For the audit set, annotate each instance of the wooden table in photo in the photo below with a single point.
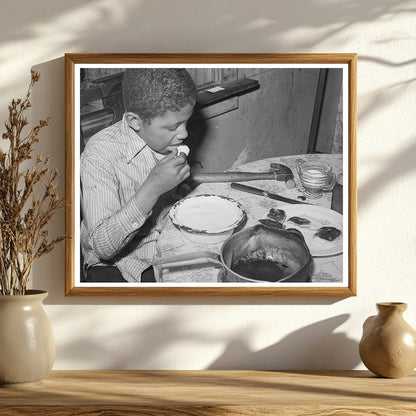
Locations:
(173, 242)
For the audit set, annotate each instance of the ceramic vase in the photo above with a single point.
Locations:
(388, 344)
(27, 346)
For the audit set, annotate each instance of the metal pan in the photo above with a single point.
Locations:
(256, 254)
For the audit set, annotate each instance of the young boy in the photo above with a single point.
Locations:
(129, 172)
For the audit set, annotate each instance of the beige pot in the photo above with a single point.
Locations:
(388, 345)
(27, 346)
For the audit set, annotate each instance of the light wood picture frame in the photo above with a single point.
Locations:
(252, 110)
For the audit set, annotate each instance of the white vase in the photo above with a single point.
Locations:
(27, 346)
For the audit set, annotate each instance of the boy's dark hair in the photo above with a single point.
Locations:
(150, 92)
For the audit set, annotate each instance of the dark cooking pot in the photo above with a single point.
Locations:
(254, 255)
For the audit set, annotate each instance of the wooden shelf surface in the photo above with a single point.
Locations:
(213, 392)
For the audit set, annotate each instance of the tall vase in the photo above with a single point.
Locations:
(27, 346)
(388, 345)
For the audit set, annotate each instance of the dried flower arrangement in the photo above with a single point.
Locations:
(28, 200)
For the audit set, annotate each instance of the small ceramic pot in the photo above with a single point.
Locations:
(27, 346)
(388, 345)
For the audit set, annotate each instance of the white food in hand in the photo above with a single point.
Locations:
(183, 149)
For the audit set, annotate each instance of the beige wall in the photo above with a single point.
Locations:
(198, 333)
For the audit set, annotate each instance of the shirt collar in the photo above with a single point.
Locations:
(135, 144)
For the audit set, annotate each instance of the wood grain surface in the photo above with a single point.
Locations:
(212, 392)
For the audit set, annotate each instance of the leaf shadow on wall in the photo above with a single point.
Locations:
(151, 345)
(392, 170)
(397, 166)
(316, 346)
(28, 33)
(144, 345)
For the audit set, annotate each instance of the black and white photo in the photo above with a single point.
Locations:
(210, 175)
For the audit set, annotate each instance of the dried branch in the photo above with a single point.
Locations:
(23, 218)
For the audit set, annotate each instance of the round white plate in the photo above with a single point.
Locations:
(319, 217)
(207, 214)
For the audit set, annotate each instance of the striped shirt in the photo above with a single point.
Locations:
(114, 230)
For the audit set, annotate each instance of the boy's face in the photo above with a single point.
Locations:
(164, 133)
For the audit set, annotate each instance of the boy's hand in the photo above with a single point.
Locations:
(168, 173)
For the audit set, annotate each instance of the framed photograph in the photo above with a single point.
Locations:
(211, 174)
